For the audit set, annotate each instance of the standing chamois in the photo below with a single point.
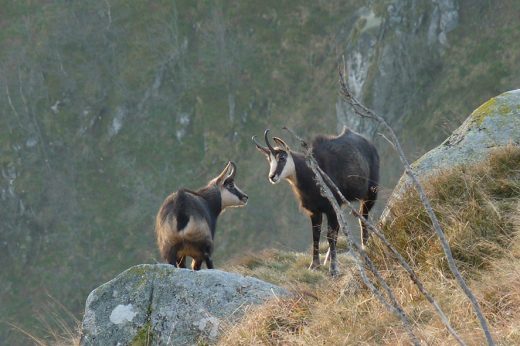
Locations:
(350, 160)
(185, 224)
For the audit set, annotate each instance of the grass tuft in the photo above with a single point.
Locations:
(59, 327)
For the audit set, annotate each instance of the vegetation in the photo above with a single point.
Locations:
(479, 209)
(108, 106)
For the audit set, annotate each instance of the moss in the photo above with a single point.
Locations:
(141, 273)
(483, 111)
(144, 336)
(504, 110)
(490, 108)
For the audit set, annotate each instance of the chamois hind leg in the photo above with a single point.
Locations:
(332, 236)
(316, 231)
(174, 260)
(171, 258)
(209, 262)
(364, 208)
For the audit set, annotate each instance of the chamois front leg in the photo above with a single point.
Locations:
(332, 236)
(181, 262)
(316, 230)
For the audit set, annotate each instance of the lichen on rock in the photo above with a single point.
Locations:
(160, 304)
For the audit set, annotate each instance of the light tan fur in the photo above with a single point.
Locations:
(197, 211)
(196, 231)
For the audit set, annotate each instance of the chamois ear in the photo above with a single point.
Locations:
(281, 143)
(224, 174)
(232, 170)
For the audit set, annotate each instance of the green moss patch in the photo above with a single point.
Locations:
(144, 336)
(484, 110)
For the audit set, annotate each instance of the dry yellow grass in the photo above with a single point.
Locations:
(480, 211)
(56, 330)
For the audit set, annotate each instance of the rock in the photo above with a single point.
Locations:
(169, 306)
(494, 124)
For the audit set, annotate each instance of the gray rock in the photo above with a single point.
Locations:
(494, 124)
(170, 306)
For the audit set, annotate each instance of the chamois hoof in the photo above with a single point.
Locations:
(334, 273)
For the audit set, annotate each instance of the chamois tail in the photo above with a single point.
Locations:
(174, 212)
(179, 210)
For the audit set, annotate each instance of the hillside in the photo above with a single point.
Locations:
(339, 312)
(108, 106)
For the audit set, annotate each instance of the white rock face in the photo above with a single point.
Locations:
(176, 306)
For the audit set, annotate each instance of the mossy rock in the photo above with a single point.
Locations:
(160, 304)
(494, 124)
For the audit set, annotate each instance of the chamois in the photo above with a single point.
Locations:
(185, 224)
(350, 160)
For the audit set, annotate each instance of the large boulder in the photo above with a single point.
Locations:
(162, 305)
(494, 124)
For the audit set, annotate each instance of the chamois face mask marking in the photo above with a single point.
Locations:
(281, 166)
(231, 195)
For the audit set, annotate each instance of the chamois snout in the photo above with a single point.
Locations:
(231, 195)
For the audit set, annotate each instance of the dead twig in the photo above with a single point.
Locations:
(365, 112)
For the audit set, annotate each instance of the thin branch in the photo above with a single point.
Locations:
(400, 259)
(363, 111)
(326, 192)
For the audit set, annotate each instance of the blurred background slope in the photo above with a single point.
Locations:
(108, 106)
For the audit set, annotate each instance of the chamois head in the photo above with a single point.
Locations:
(230, 194)
(280, 159)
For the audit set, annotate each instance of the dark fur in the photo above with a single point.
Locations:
(177, 238)
(352, 162)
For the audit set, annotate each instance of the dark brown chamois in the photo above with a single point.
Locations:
(350, 160)
(185, 224)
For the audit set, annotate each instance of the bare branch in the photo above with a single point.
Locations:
(398, 256)
(325, 189)
(363, 111)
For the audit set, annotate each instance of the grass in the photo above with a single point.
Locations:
(476, 206)
(55, 324)
(479, 209)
